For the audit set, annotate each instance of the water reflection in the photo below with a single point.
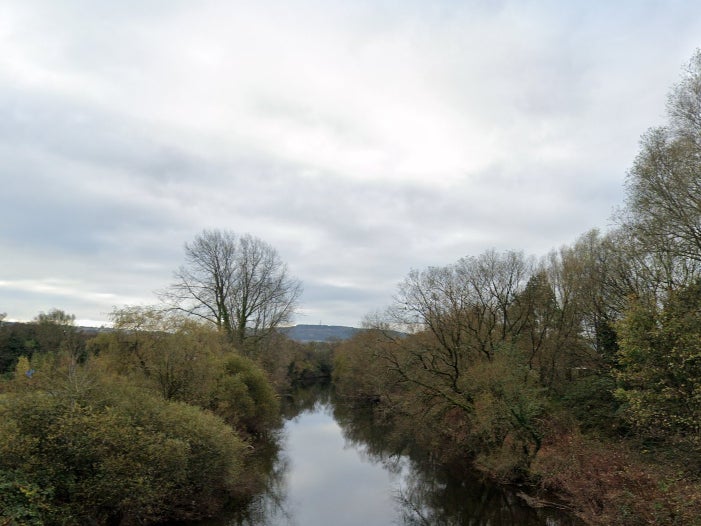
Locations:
(430, 494)
(338, 467)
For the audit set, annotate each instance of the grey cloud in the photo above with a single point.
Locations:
(136, 142)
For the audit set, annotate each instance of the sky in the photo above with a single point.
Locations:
(360, 139)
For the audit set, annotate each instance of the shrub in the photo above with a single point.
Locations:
(245, 398)
(126, 456)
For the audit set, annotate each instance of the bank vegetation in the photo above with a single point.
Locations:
(158, 419)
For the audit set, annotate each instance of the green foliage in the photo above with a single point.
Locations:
(312, 362)
(125, 435)
(122, 455)
(244, 397)
(165, 352)
(359, 373)
(660, 367)
(494, 411)
(21, 501)
(590, 398)
(506, 429)
(48, 333)
(187, 361)
(55, 317)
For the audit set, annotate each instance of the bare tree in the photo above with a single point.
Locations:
(466, 306)
(460, 315)
(238, 283)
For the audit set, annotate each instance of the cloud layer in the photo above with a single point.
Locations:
(360, 139)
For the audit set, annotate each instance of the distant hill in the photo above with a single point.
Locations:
(319, 333)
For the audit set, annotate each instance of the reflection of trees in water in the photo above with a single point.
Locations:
(375, 441)
(304, 399)
(429, 495)
(270, 504)
(424, 500)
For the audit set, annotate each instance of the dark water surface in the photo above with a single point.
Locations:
(331, 473)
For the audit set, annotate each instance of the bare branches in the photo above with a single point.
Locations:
(237, 283)
(663, 206)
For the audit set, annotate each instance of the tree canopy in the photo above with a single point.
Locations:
(238, 283)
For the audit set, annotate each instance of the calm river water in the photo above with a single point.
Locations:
(331, 473)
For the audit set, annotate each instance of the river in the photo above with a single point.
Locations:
(333, 469)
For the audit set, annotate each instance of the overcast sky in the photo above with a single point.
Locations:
(361, 139)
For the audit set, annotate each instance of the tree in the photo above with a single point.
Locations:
(461, 315)
(660, 366)
(55, 317)
(238, 283)
(663, 207)
(113, 455)
(466, 306)
(244, 397)
(166, 351)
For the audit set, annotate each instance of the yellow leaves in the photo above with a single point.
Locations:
(27, 491)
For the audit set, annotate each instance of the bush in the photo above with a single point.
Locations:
(126, 457)
(606, 483)
(245, 398)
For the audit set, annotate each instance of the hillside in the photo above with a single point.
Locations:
(319, 333)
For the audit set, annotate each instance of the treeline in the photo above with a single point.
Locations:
(579, 372)
(158, 419)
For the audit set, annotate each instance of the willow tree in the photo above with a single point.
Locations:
(238, 283)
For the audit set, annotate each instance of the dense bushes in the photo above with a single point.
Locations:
(244, 397)
(156, 424)
(114, 454)
(660, 373)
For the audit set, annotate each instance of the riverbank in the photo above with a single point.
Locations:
(341, 465)
(611, 482)
(569, 447)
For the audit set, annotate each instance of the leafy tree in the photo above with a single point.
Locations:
(310, 362)
(244, 397)
(592, 286)
(21, 500)
(13, 344)
(51, 332)
(361, 371)
(507, 429)
(660, 367)
(237, 283)
(545, 329)
(183, 359)
(168, 352)
(55, 317)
